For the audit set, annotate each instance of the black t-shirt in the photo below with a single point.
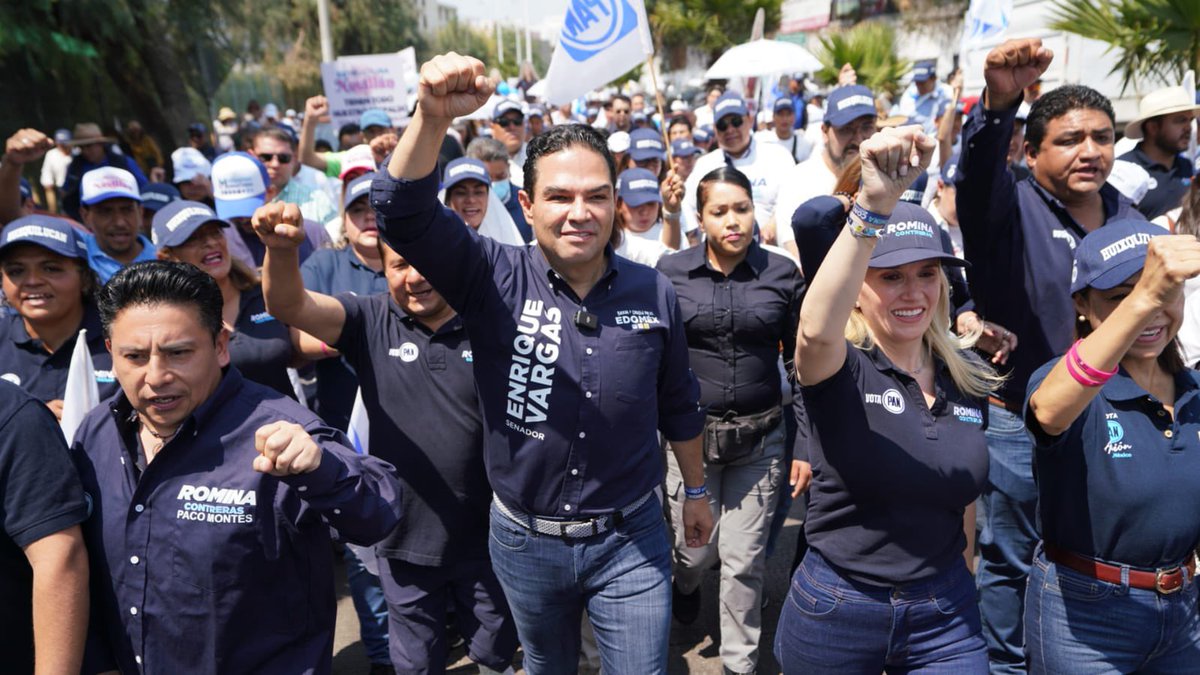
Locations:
(40, 494)
(261, 346)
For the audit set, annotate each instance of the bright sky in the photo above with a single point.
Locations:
(545, 16)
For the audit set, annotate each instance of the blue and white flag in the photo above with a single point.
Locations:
(600, 41)
(82, 393)
(359, 429)
(985, 19)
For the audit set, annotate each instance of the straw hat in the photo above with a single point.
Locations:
(87, 133)
(1161, 102)
(226, 114)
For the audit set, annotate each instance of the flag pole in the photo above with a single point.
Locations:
(658, 98)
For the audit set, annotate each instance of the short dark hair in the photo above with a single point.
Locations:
(679, 119)
(560, 138)
(161, 282)
(276, 133)
(722, 174)
(348, 129)
(1059, 102)
(619, 97)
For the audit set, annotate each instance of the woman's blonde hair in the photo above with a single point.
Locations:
(971, 375)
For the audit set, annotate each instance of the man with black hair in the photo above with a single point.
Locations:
(1019, 237)
(580, 359)
(619, 114)
(1164, 123)
(212, 496)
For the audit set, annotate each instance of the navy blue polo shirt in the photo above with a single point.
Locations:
(513, 206)
(1168, 184)
(735, 324)
(1020, 242)
(40, 495)
(332, 271)
(25, 362)
(419, 390)
(569, 413)
(891, 476)
(200, 564)
(1122, 484)
(260, 346)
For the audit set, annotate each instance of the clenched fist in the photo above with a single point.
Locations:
(279, 225)
(27, 145)
(1010, 68)
(452, 85)
(891, 161)
(285, 449)
(316, 108)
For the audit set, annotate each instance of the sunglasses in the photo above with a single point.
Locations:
(735, 121)
(283, 157)
(507, 122)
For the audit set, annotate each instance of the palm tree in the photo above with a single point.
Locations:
(871, 48)
(710, 25)
(1153, 38)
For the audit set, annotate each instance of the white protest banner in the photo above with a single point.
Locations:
(412, 76)
(355, 84)
(600, 41)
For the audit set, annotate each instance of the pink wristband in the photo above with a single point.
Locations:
(1077, 375)
(1091, 372)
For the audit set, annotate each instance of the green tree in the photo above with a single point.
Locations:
(1152, 38)
(710, 25)
(871, 48)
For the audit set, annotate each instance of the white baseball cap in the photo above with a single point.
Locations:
(239, 184)
(189, 163)
(108, 183)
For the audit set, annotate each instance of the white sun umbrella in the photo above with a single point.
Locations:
(763, 57)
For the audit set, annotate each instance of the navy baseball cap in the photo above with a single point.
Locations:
(53, 234)
(950, 170)
(62, 136)
(197, 128)
(730, 103)
(916, 192)
(358, 188)
(923, 70)
(684, 148)
(506, 106)
(157, 195)
(465, 168)
(816, 224)
(702, 134)
(1108, 256)
(911, 235)
(849, 103)
(646, 144)
(638, 186)
(784, 102)
(374, 118)
(176, 222)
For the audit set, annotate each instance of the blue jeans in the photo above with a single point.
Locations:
(622, 577)
(371, 608)
(832, 625)
(1080, 625)
(1007, 536)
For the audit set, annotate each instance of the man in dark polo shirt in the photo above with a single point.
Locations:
(1019, 237)
(415, 369)
(1164, 123)
(43, 564)
(580, 358)
(212, 496)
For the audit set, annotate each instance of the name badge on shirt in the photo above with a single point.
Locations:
(636, 319)
(261, 317)
(1116, 448)
(217, 505)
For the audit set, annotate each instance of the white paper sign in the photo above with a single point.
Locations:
(355, 84)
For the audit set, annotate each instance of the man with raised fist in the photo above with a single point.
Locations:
(1019, 237)
(580, 359)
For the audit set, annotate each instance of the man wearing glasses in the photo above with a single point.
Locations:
(765, 164)
(276, 149)
(508, 127)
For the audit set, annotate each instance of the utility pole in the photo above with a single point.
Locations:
(528, 41)
(326, 36)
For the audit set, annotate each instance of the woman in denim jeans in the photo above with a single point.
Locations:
(1116, 425)
(896, 408)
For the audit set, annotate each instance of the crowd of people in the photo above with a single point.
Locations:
(602, 349)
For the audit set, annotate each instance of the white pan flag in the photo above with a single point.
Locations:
(600, 41)
(359, 428)
(984, 21)
(82, 394)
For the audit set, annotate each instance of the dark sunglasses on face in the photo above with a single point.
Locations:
(283, 157)
(734, 120)
(507, 122)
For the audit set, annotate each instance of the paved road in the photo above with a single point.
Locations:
(694, 649)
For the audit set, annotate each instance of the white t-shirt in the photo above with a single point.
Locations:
(640, 250)
(516, 169)
(808, 179)
(798, 146)
(54, 168)
(765, 164)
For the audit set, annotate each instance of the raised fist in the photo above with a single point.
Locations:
(1170, 261)
(452, 85)
(891, 161)
(27, 145)
(285, 449)
(671, 192)
(316, 108)
(1010, 68)
(279, 225)
(847, 75)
